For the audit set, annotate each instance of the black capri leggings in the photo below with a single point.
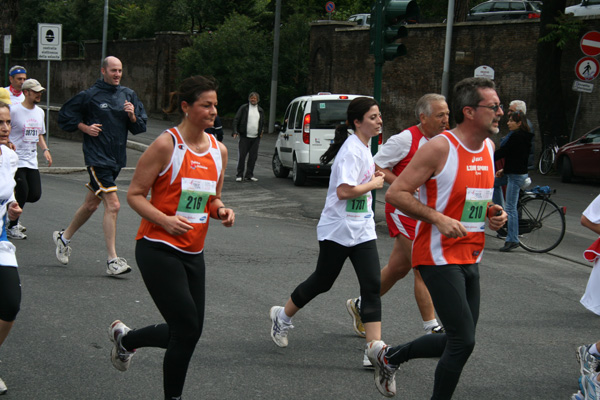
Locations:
(29, 186)
(10, 293)
(176, 282)
(365, 260)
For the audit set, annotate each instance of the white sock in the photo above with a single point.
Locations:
(283, 316)
(429, 325)
(594, 350)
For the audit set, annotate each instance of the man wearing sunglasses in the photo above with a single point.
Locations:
(455, 174)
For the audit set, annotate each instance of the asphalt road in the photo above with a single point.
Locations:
(531, 320)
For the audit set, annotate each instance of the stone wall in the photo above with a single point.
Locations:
(149, 67)
(340, 63)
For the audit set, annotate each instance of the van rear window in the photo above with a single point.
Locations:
(327, 114)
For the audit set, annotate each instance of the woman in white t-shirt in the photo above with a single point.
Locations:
(346, 228)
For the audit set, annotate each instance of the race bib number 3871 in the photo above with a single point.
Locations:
(194, 197)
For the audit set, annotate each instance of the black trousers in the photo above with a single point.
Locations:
(247, 148)
(455, 293)
(365, 260)
(176, 282)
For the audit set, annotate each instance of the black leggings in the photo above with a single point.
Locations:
(365, 260)
(10, 293)
(176, 282)
(455, 293)
(29, 186)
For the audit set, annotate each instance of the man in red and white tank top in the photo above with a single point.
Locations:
(454, 173)
(395, 154)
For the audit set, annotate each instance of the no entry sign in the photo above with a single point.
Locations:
(590, 43)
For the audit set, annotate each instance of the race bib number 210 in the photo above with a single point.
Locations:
(474, 211)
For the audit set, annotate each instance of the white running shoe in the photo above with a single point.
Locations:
(279, 329)
(588, 363)
(3, 388)
(238, 179)
(436, 329)
(592, 387)
(121, 358)
(117, 266)
(352, 307)
(15, 234)
(366, 362)
(21, 227)
(63, 251)
(385, 379)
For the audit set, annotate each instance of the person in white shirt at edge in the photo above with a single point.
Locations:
(248, 124)
(346, 228)
(433, 113)
(10, 283)
(16, 76)
(27, 133)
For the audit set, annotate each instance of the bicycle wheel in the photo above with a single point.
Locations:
(546, 160)
(541, 224)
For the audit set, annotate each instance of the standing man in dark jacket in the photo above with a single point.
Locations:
(104, 113)
(248, 124)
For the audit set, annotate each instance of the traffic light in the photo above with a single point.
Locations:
(388, 20)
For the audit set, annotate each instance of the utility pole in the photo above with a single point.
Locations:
(275, 68)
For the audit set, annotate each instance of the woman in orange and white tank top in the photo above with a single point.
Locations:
(183, 169)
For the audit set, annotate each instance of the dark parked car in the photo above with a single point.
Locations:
(495, 10)
(580, 158)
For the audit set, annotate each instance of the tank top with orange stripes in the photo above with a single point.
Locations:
(416, 142)
(462, 190)
(186, 187)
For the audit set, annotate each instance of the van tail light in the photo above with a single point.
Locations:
(306, 129)
(534, 15)
(380, 139)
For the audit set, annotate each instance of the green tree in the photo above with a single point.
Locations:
(237, 54)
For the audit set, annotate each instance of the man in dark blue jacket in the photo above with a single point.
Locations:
(104, 113)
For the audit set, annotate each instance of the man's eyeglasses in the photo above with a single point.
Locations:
(494, 108)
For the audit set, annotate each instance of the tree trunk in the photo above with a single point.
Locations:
(461, 9)
(550, 103)
(9, 11)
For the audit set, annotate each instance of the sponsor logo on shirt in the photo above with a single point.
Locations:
(196, 164)
(103, 105)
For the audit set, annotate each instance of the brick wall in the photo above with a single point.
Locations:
(341, 64)
(149, 67)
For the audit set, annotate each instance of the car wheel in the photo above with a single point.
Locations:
(566, 170)
(278, 169)
(298, 176)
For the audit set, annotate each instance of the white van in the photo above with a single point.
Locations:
(306, 133)
(585, 8)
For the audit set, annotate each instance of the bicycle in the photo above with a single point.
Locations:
(541, 221)
(547, 157)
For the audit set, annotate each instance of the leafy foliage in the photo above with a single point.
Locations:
(567, 29)
(237, 54)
